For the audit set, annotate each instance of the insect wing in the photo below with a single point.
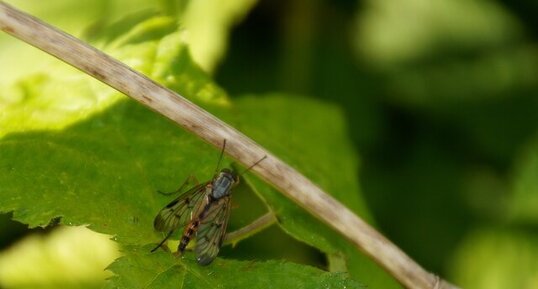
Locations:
(212, 229)
(179, 212)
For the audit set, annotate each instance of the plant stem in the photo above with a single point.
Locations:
(256, 226)
(178, 109)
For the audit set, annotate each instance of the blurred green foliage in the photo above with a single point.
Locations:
(440, 100)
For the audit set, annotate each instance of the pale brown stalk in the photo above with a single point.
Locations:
(256, 226)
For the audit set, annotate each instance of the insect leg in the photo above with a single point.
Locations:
(162, 242)
(188, 180)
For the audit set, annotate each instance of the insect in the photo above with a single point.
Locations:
(203, 211)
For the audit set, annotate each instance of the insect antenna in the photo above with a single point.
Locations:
(249, 168)
(220, 157)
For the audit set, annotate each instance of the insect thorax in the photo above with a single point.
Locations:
(223, 184)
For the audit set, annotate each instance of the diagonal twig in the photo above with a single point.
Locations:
(256, 226)
(277, 173)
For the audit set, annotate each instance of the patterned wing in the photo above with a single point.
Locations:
(179, 212)
(212, 229)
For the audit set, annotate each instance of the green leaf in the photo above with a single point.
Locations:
(141, 269)
(430, 86)
(103, 168)
(209, 23)
(523, 203)
(54, 101)
(514, 244)
(64, 15)
(104, 172)
(514, 265)
(319, 148)
(386, 35)
(67, 257)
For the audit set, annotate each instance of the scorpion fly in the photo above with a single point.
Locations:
(203, 211)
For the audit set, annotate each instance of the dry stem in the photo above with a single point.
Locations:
(287, 180)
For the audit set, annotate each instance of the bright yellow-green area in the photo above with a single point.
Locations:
(18, 59)
(208, 23)
(39, 92)
(497, 259)
(53, 101)
(69, 257)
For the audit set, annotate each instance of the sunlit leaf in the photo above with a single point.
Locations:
(69, 257)
(140, 269)
(496, 259)
(102, 167)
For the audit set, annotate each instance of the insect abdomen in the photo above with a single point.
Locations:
(187, 235)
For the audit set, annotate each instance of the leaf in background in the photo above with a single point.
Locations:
(468, 52)
(388, 32)
(208, 24)
(514, 245)
(51, 102)
(311, 136)
(140, 269)
(497, 259)
(69, 257)
(523, 203)
(54, 101)
(453, 81)
(71, 16)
